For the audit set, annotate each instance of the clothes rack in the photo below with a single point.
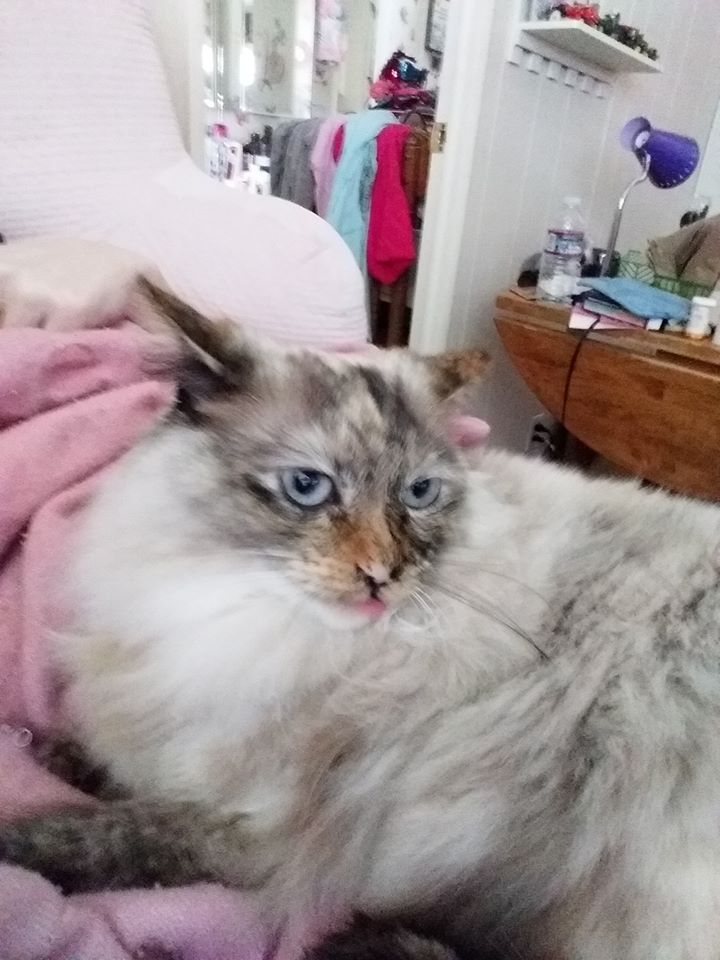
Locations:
(416, 162)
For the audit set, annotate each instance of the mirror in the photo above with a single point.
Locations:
(265, 61)
(262, 55)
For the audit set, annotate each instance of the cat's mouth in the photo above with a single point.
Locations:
(354, 611)
(357, 604)
(371, 607)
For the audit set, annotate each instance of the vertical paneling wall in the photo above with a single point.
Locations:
(541, 140)
(709, 179)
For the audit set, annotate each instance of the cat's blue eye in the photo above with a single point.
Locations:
(307, 488)
(422, 493)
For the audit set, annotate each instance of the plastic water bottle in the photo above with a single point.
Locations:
(562, 255)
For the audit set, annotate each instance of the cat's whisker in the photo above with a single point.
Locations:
(267, 554)
(424, 608)
(430, 604)
(470, 564)
(482, 598)
(492, 612)
(421, 600)
(420, 592)
(440, 613)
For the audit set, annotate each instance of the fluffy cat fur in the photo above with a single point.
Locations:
(519, 758)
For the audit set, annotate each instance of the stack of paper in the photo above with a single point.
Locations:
(602, 314)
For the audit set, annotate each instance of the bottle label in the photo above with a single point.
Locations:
(565, 243)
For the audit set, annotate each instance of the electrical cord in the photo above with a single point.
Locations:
(568, 380)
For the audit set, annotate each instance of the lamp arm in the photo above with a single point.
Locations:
(617, 220)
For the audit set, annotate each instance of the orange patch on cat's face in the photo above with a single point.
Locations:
(359, 543)
(337, 555)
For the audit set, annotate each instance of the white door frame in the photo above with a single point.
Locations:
(179, 28)
(462, 81)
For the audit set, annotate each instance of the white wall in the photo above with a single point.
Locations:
(345, 87)
(401, 24)
(357, 70)
(375, 30)
(541, 140)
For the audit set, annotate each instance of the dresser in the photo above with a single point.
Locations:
(647, 402)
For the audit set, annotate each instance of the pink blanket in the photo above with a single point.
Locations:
(70, 404)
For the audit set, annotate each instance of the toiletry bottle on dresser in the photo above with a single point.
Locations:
(215, 153)
(702, 317)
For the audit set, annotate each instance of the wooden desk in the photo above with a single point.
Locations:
(648, 402)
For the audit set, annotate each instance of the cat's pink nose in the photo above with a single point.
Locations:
(377, 574)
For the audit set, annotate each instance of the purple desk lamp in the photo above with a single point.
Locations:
(667, 160)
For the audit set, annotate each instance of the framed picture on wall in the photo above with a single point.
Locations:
(437, 26)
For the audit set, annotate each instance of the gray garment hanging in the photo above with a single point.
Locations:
(291, 175)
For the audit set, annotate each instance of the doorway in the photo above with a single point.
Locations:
(269, 62)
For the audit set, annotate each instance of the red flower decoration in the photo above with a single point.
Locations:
(587, 12)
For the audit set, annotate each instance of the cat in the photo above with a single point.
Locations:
(336, 662)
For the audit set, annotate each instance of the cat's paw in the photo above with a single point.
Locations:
(65, 283)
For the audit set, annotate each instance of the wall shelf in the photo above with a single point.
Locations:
(584, 43)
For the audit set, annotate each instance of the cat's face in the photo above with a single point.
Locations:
(339, 470)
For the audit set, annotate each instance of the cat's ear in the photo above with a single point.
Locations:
(449, 372)
(221, 345)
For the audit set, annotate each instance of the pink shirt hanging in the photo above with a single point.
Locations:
(391, 240)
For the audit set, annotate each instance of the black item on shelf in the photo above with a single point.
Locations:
(692, 216)
(255, 147)
(590, 268)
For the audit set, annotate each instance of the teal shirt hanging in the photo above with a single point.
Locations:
(349, 207)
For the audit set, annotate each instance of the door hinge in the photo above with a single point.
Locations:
(438, 136)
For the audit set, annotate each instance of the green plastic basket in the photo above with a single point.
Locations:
(635, 266)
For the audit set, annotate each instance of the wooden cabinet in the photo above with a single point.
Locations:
(648, 402)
